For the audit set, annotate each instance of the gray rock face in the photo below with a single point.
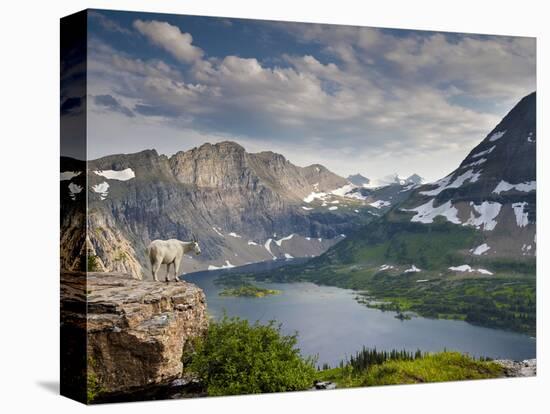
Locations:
(212, 191)
(526, 368)
(498, 177)
(358, 179)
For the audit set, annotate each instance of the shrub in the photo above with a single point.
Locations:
(236, 357)
(93, 264)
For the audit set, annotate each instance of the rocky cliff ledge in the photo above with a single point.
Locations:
(136, 330)
(526, 368)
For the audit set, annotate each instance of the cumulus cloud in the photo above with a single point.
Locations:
(171, 39)
(369, 94)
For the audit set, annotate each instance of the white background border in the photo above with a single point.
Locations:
(30, 187)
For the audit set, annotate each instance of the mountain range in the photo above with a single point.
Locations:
(243, 207)
(463, 247)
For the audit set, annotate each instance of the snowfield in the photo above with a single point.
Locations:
(74, 189)
(218, 232)
(280, 241)
(267, 246)
(380, 204)
(227, 265)
(307, 208)
(313, 195)
(469, 269)
(482, 153)
(385, 267)
(522, 217)
(123, 175)
(232, 234)
(475, 163)
(426, 213)
(487, 211)
(102, 189)
(497, 135)
(251, 243)
(348, 191)
(524, 187)
(481, 217)
(288, 256)
(479, 250)
(413, 269)
(443, 184)
(69, 175)
(333, 208)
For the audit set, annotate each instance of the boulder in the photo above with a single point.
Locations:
(136, 330)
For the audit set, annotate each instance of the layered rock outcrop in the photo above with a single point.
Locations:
(136, 330)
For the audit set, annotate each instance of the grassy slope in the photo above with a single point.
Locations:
(443, 366)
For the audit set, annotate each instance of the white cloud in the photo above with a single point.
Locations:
(371, 101)
(171, 39)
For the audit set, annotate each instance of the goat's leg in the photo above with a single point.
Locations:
(155, 266)
(167, 272)
(176, 268)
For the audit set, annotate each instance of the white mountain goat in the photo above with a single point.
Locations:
(170, 252)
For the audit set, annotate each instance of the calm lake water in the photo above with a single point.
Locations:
(332, 325)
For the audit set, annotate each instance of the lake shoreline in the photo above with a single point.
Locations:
(309, 308)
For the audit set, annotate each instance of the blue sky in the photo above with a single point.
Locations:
(356, 99)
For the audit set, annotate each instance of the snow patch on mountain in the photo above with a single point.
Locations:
(307, 208)
(443, 184)
(469, 269)
(524, 187)
(123, 175)
(526, 249)
(68, 175)
(280, 241)
(233, 234)
(475, 163)
(288, 256)
(313, 195)
(342, 191)
(218, 232)
(482, 153)
(267, 246)
(522, 216)
(251, 243)
(102, 189)
(426, 213)
(227, 265)
(380, 204)
(333, 208)
(479, 250)
(487, 211)
(497, 136)
(74, 189)
(461, 268)
(413, 269)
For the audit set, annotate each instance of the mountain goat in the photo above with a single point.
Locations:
(170, 252)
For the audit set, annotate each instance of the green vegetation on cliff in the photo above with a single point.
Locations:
(236, 357)
(438, 367)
